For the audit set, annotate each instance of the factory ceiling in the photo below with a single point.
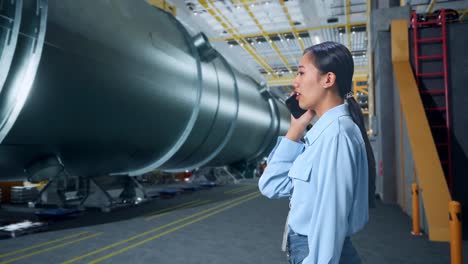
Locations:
(269, 36)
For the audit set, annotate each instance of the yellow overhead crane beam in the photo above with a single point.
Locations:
(265, 35)
(360, 88)
(291, 23)
(360, 73)
(274, 57)
(289, 31)
(288, 80)
(280, 81)
(245, 44)
(348, 22)
(431, 6)
(463, 13)
(370, 68)
(163, 5)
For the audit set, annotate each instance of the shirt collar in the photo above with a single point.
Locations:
(324, 121)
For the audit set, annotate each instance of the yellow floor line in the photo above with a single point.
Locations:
(155, 229)
(40, 245)
(247, 189)
(169, 231)
(170, 208)
(49, 249)
(183, 207)
(237, 189)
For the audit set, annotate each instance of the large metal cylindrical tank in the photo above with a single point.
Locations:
(122, 88)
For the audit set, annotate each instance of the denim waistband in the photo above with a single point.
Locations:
(292, 232)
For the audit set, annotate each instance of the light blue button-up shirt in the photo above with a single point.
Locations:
(327, 180)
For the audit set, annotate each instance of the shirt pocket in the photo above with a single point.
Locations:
(301, 169)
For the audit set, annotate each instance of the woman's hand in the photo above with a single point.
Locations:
(298, 126)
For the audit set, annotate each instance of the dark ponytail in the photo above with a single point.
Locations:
(356, 114)
(335, 57)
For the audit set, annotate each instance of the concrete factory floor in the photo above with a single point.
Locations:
(223, 224)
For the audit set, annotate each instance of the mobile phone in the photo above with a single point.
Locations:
(293, 106)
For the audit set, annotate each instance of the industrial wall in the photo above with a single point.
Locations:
(383, 83)
(394, 154)
(458, 101)
(458, 79)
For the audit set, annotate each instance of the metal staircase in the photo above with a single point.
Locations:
(431, 70)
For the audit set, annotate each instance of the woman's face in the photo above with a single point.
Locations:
(308, 84)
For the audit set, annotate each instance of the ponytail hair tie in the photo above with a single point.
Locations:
(349, 95)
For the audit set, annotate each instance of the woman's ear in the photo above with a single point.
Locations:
(329, 79)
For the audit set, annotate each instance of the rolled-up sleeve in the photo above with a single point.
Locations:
(331, 208)
(274, 182)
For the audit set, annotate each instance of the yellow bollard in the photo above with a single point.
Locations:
(416, 229)
(455, 232)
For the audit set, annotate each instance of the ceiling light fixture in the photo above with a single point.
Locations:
(317, 39)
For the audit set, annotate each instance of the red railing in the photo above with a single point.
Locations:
(438, 21)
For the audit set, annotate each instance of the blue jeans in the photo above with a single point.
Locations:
(298, 249)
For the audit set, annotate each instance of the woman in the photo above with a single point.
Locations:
(327, 176)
